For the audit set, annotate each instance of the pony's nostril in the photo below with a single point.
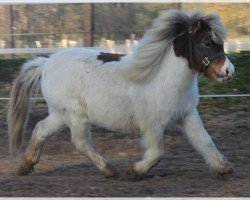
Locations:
(227, 71)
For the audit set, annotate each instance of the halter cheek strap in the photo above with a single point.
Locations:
(190, 46)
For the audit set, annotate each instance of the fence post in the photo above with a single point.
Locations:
(88, 24)
(176, 5)
(8, 30)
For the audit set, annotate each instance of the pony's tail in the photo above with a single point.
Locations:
(18, 108)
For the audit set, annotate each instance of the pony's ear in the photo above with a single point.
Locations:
(197, 25)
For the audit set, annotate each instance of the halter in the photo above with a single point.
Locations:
(206, 60)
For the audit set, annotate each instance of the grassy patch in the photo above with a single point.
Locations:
(230, 104)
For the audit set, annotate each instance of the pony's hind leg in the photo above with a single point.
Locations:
(81, 137)
(43, 129)
(153, 143)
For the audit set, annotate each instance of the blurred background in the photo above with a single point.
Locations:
(117, 27)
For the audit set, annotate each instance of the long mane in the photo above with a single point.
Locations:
(155, 44)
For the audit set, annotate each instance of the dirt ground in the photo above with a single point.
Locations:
(64, 172)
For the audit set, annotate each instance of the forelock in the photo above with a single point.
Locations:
(218, 29)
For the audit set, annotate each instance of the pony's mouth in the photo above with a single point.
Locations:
(224, 79)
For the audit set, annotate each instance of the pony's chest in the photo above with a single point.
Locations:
(174, 104)
(185, 103)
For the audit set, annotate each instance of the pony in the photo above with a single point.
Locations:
(145, 92)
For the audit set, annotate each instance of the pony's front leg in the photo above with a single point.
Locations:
(43, 129)
(192, 126)
(153, 143)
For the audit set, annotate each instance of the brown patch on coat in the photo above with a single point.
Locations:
(181, 49)
(109, 57)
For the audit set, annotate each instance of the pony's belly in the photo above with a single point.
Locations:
(113, 112)
(113, 121)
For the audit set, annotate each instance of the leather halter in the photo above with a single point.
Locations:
(206, 60)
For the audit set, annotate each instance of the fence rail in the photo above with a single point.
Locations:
(110, 47)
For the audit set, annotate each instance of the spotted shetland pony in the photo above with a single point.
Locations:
(153, 88)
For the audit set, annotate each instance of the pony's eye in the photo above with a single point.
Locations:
(207, 44)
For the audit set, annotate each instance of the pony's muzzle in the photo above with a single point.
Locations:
(227, 71)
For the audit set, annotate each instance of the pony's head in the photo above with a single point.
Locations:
(200, 40)
(196, 37)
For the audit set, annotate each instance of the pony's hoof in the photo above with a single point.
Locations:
(110, 171)
(226, 168)
(133, 175)
(25, 170)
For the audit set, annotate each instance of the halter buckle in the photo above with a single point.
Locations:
(206, 61)
(190, 30)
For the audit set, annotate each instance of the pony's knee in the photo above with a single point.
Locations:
(78, 143)
(81, 137)
(81, 143)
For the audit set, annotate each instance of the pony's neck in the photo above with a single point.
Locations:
(175, 71)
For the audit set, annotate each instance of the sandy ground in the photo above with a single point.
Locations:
(63, 171)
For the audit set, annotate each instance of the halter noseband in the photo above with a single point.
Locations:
(206, 60)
